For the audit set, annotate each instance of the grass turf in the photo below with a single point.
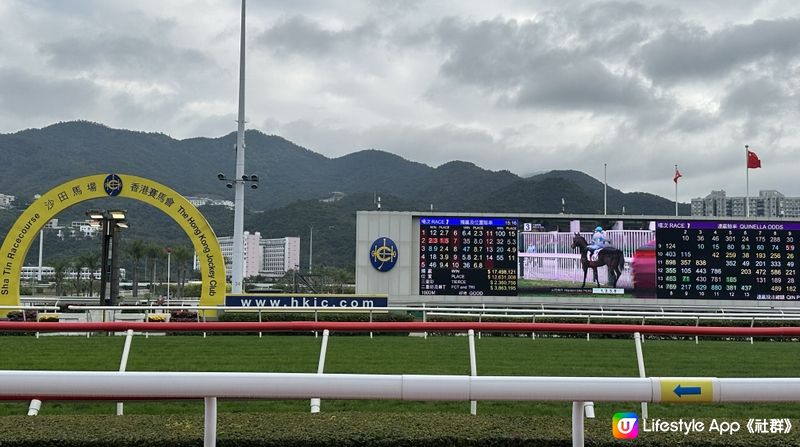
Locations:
(408, 355)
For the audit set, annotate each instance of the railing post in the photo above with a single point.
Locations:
(577, 424)
(259, 320)
(588, 321)
(473, 368)
(637, 339)
(697, 324)
(210, 426)
(33, 408)
(315, 401)
(123, 363)
(370, 320)
(424, 320)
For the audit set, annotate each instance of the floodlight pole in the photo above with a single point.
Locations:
(105, 226)
(605, 189)
(41, 247)
(238, 205)
(115, 234)
(169, 259)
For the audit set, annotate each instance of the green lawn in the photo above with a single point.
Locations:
(385, 354)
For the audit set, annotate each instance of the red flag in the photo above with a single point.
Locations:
(677, 176)
(753, 161)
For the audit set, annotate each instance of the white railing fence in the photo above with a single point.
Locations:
(210, 386)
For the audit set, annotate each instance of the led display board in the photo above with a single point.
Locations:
(468, 256)
(726, 260)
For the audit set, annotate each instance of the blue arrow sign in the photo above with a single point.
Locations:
(687, 390)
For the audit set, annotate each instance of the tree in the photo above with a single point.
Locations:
(59, 276)
(78, 265)
(183, 261)
(136, 250)
(91, 261)
(154, 252)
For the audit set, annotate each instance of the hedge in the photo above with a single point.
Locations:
(348, 429)
(626, 321)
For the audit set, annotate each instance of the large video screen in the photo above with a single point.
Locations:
(468, 256)
(665, 259)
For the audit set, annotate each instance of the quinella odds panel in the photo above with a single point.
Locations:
(727, 260)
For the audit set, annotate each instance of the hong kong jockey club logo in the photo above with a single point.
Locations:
(383, 254)
(112, 184)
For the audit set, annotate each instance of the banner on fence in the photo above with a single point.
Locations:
(306, 300)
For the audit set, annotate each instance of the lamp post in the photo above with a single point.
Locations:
(605, 189)
(241, 178)
(110, 223)
(169, 255)
(41, 246)
(237, 275)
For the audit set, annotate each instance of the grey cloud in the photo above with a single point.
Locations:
(297, 35)
(528, 64)
(492, 53)
(27, 94)
(124, 56)
(432, 145)
(210, 126)
(611, 29)
(691, 52)
(694, 121)
(584, 84)
(761, 97)
(598, 17)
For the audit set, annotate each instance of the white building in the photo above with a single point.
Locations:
(6, 201)
(269, 257)
(48, 272)
(203, 201)
(52, 224)
(280, 256)
(252, 252)
(768, 203)
(85, 228)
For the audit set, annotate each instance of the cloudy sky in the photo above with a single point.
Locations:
(522, 85)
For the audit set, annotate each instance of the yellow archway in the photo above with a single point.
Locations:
(21, 235)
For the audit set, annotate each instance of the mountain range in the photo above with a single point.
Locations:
(37, 159)
(293, 181)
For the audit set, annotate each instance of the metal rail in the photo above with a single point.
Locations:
(308, 326)
(209, 386)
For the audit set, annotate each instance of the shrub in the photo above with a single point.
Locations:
(16, 315)
(156, 318)
(182, 315)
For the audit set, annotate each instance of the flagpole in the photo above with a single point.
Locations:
(605, 189)
(676, 191)
(747, 181)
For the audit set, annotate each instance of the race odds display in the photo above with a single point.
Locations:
(727, 260)
(467, 256)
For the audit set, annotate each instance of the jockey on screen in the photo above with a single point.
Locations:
(598, 241)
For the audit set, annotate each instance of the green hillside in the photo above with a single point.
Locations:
(293, 181)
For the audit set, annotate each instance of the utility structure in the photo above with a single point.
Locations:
(110, 223)
(241, 178)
